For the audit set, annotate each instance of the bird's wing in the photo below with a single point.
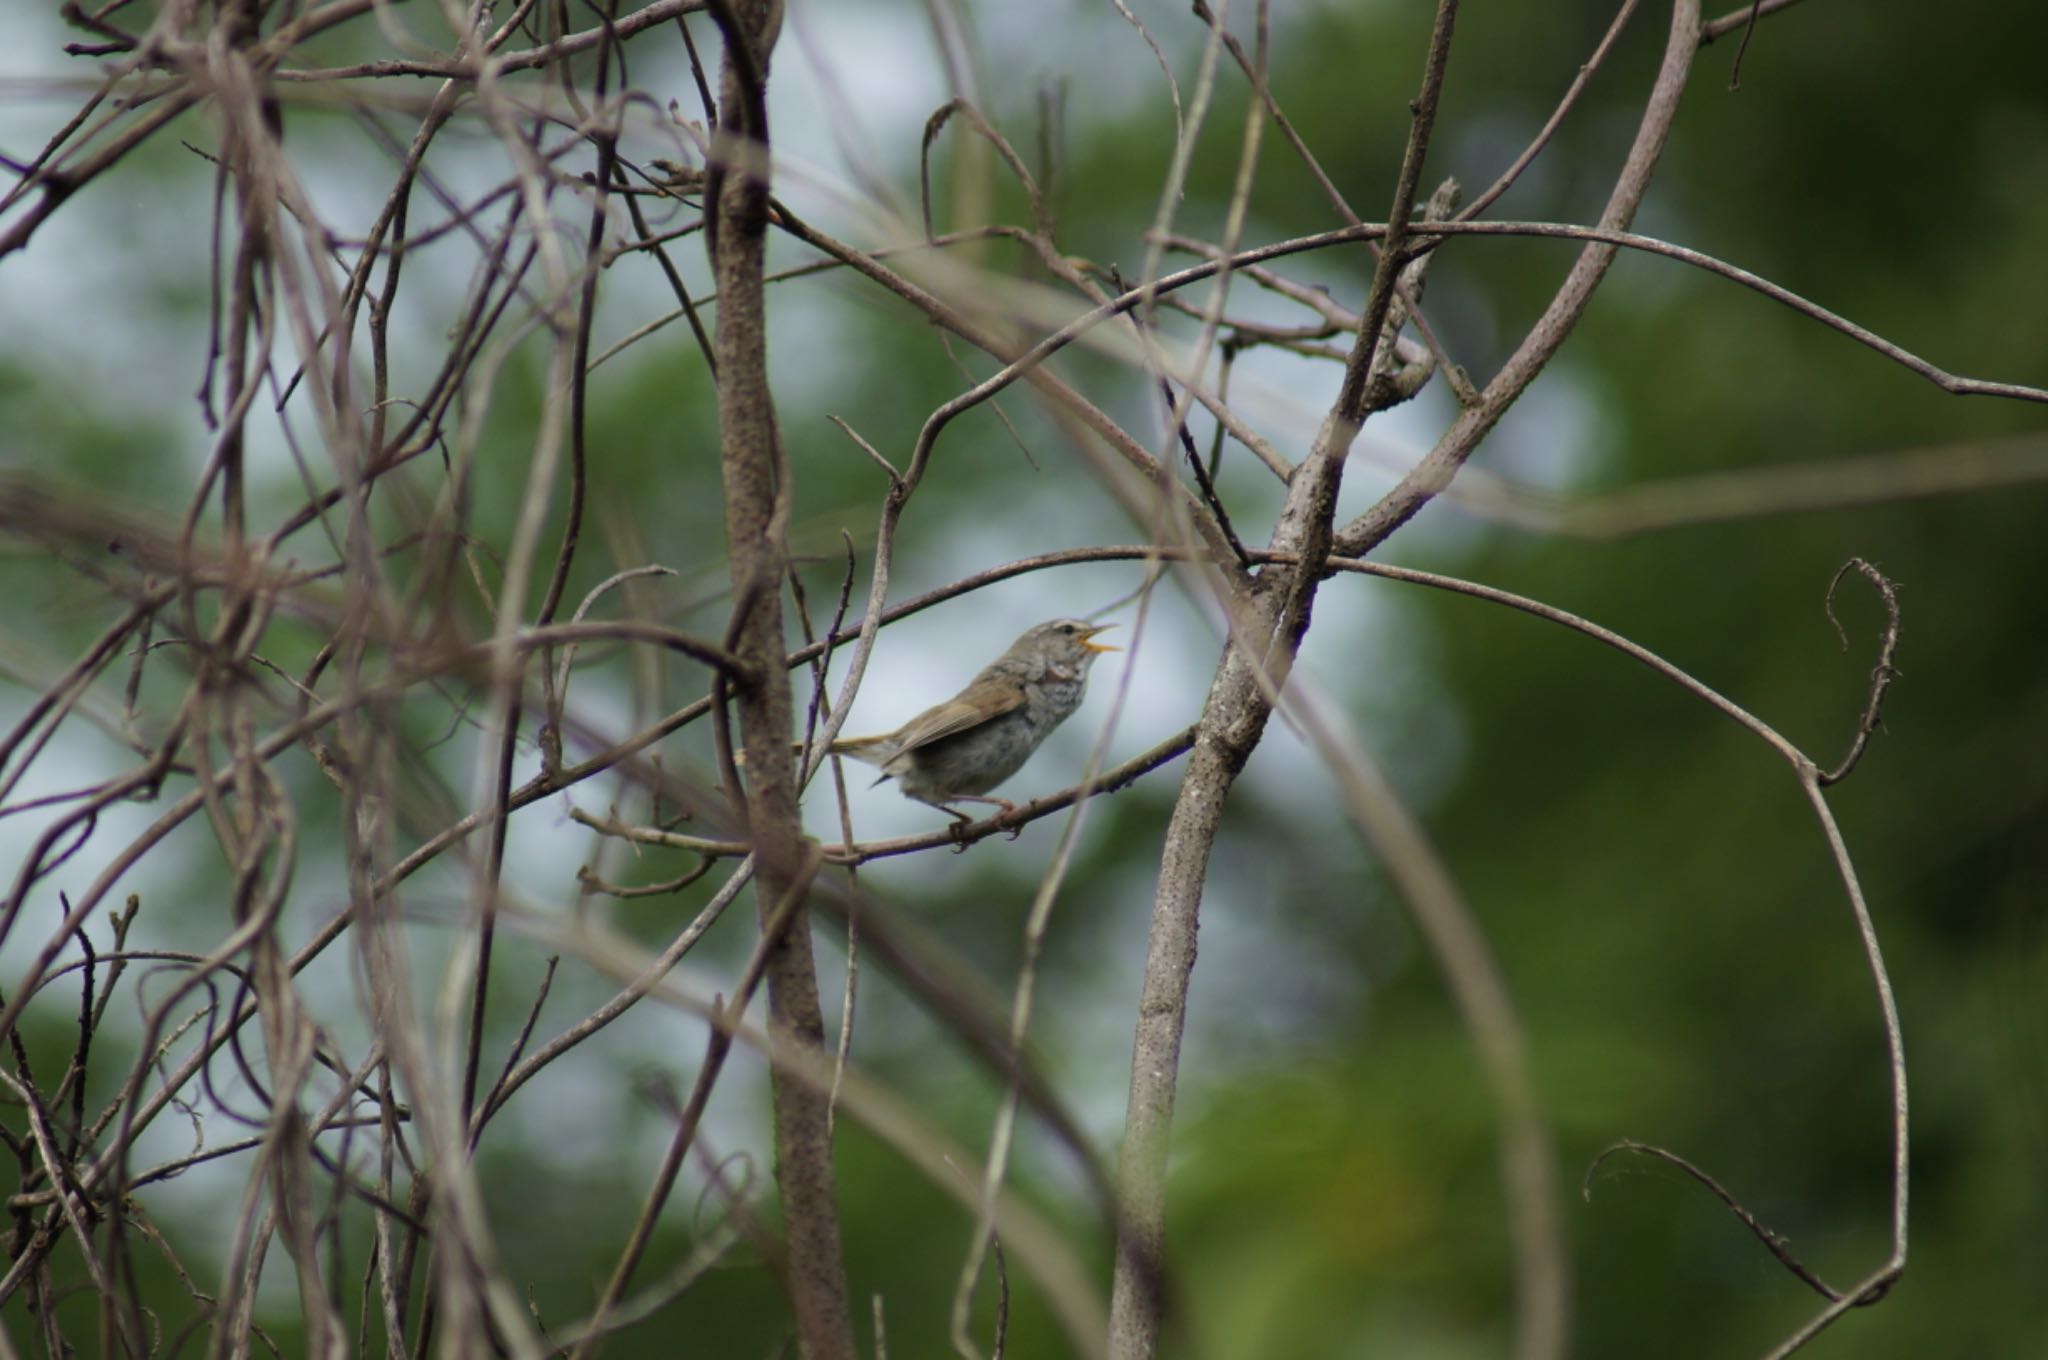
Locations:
(973, 706)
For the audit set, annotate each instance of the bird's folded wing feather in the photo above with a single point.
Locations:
(973, 706)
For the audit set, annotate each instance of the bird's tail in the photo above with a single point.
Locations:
(867, 750)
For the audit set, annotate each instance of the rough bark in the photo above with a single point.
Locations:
(756, 516)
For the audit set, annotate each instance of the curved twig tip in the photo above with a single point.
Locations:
(1773, 1242)
(1881, 674)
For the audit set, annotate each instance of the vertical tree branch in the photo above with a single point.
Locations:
(757, 495)
(1265, 634)
(1476, 421)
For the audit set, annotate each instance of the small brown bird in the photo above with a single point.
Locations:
(955, 752)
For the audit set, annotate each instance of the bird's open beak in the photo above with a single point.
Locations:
(1098, 646)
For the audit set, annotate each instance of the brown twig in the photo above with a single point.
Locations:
(1881, 674)
(1773, 1243)
(1267, 625)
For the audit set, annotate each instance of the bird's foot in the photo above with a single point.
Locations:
(1003, 808)
(961, 821)
(957, 828)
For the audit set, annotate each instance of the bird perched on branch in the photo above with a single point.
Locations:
(955, 752)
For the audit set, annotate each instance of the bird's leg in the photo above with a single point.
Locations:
(957, 827)
(961, 821)
(1004, 807)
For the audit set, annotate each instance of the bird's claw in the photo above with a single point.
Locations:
(957, 829)
(1004, 807)
(961, 821)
